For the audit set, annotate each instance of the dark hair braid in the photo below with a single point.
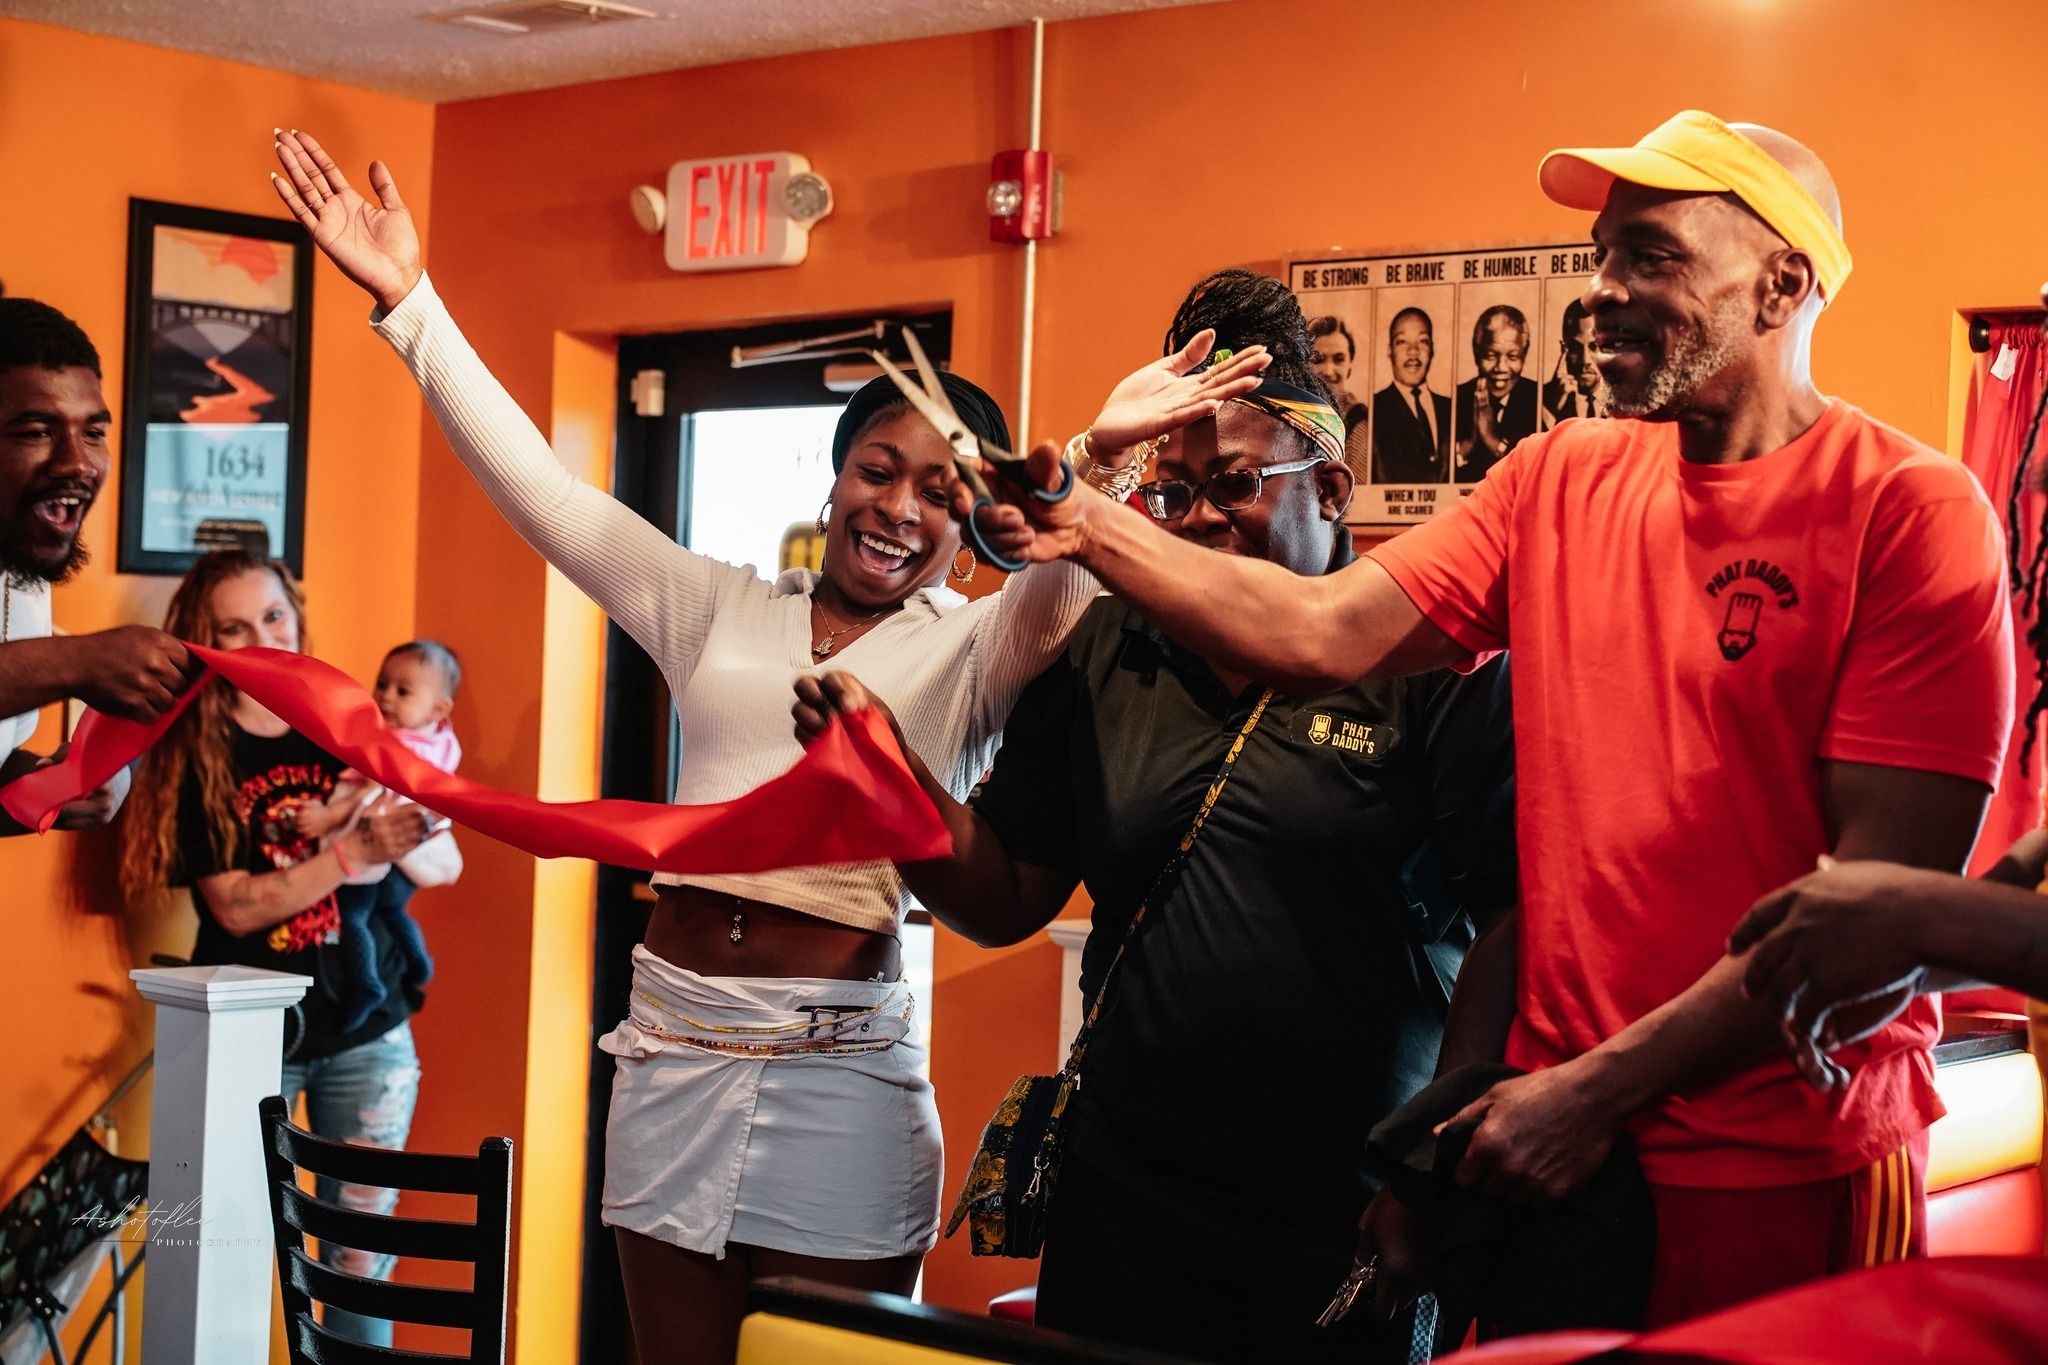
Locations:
(1250, 309)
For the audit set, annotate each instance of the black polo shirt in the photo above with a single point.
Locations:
(1277, 1004)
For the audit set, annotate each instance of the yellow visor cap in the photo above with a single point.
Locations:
(1696, 153)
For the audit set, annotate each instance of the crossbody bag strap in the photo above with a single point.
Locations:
(1162, 885)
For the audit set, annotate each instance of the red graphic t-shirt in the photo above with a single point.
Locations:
(274, 778)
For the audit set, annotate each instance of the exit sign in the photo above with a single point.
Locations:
(732, 213)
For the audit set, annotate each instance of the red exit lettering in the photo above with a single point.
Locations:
(733, 199)
(726, 213)
(699, 210)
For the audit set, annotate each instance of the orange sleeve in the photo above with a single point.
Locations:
(1454, 567)
(1927, 676)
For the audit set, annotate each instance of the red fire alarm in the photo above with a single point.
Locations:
(1023, 197)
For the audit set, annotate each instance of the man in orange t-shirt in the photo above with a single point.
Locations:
(1750, 628)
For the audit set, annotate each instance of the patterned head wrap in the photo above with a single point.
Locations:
(1297, 407)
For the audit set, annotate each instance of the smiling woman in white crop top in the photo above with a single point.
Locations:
(768, 1114)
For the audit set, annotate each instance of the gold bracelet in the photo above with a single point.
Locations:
(1117, 484)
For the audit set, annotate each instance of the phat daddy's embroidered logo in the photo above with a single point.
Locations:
(1350, 736)
(1746, 585)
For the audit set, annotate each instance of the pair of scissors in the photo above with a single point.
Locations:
(928, 396)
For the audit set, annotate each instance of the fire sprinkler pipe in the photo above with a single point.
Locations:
(1028, 332)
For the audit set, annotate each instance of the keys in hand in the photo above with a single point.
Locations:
(1358, 1282)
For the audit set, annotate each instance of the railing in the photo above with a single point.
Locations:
(55, 1233)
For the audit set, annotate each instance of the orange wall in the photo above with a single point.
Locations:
(1190, 138)
(85, 122)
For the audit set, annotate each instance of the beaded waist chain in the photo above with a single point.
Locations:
(839, 1030)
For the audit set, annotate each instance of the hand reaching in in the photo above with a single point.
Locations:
(136, 672)
(374, 244)
(95, 809)
(1171, 392)
(1022, 527)
(1835, 956)
(822, 698)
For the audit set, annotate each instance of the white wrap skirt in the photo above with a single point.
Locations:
(783, 1112)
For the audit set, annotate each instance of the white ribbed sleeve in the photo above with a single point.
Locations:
(658, 592)
(730, 644)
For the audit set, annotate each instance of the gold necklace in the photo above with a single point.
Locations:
(824, 647)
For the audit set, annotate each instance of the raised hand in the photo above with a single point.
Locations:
(1168, 394)
(374, 244)
(1483, 424)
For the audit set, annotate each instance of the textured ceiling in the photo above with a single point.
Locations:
(383, 45)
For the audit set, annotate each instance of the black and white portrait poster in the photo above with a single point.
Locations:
(1443, 361)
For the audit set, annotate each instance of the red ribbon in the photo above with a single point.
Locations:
(850, 798)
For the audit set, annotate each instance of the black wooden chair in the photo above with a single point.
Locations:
(294, 1215)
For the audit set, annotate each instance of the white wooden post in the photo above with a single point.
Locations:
(1070, 935)
(219, 1049)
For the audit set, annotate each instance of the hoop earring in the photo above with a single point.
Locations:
(966, 576)
(821, 516)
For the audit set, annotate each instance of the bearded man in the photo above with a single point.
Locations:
(1751, 627)
(53, 463)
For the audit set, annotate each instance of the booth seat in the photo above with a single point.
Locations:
(1019, 1305)
(1984, 1193)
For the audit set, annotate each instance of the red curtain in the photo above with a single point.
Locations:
(2004, 393)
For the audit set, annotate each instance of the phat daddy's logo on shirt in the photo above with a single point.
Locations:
(1345, 734)
(1746, 586)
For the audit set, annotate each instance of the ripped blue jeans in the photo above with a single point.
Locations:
(365, 1094)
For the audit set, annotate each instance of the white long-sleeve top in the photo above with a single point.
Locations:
(25, 605)
(732, 644)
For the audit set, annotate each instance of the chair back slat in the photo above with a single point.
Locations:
(356, 1164)
(318, 1346)
(370, 1298)
(487, 1176)
(430, 1238)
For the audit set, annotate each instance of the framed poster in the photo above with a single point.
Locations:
(213, 414)
(1455, 356)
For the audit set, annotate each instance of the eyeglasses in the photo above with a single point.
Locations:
(1231, 490)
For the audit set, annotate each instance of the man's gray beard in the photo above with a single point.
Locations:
(1699, 356)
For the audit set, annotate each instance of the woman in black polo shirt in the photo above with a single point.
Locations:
(1291, 988)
